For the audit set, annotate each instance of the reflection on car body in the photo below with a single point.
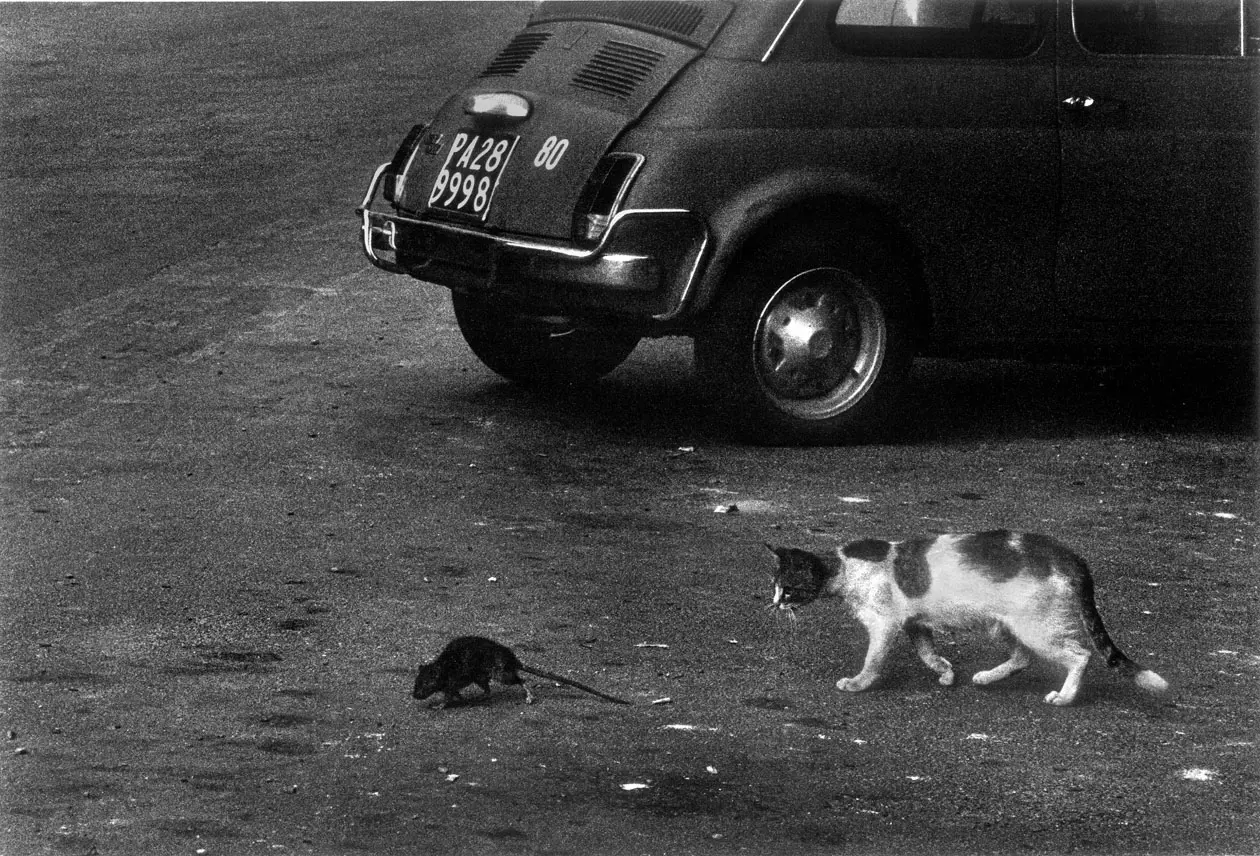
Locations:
(816, 192)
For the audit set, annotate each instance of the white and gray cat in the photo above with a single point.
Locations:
(1031, 592)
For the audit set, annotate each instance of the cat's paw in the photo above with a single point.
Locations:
(1057, 699)
(947, 678)
(854, 684)
(987, 677)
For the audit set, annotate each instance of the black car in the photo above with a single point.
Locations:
(818, 191)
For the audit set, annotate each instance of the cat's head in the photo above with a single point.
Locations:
(800, 576)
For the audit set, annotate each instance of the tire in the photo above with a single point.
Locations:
(533, 352)
(807, 351)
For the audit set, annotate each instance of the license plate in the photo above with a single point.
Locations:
(467, 181)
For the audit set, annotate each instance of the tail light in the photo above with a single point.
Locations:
(603, 194)
(392, 183)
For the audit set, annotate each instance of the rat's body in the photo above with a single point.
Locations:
(477, 660)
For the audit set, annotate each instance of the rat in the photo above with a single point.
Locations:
(477, 660)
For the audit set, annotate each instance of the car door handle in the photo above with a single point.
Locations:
(1090, 104)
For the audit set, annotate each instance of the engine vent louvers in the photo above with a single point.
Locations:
(518, 52)
(617, 69)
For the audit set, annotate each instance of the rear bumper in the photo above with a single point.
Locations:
(644, 268)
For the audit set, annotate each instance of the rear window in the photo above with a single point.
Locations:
(939, 28)
(1171, 27)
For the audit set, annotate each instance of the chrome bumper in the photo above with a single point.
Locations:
(660, 250)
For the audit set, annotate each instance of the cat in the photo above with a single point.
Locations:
(1031, 592)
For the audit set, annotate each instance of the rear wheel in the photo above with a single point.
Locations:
(808, 352)
(535, 351)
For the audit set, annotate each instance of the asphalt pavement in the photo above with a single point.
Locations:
(250, 483)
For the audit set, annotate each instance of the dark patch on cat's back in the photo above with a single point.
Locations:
(991, 554)
(867, 550)
(910, 568)
(1002, 555)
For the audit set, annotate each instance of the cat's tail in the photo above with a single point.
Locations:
(1111, 653)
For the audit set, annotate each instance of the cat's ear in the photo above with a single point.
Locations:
(777, 561)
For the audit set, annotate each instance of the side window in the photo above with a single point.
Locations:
(1251, 27)
(1171, 27)
(939, 28)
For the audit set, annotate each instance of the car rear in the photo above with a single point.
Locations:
(517, 190)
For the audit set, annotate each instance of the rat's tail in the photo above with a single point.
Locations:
(549, 676)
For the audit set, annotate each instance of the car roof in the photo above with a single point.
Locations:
(738, 29)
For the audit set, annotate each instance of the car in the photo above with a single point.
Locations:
(817, 193)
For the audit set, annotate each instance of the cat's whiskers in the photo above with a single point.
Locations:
(788, 611)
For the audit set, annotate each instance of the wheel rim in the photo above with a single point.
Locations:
(820, 343)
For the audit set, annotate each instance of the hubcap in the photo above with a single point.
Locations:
(820, 343)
